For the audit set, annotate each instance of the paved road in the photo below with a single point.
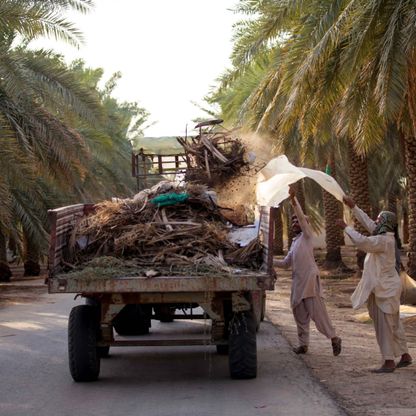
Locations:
(145, 381)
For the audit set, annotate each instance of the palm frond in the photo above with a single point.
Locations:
(32, 19)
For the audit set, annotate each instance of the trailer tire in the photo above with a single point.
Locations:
(103, 352)
(222, 349)
(164, 313)
(132, 320)
(263, 307)
(242, 354)
(84, 360)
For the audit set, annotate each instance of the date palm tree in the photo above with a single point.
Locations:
(37, 97)
(256, 91)
(60, 136)
(370, 47)
(354, 60)
(28, 131)
(38, 18)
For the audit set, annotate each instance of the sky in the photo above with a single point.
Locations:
(169, 53)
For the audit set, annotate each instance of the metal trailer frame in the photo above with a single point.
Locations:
(221, 297)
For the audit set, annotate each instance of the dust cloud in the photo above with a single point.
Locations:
(239, 193)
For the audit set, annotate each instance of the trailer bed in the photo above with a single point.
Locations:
(129, 284)
(119, 308)
(63, 220)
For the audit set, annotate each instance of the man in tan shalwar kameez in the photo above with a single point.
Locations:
(380, 284)
(306, 294)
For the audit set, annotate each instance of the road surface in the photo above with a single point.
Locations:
(146, 381)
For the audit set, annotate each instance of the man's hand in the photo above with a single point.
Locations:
(348, 201)
(340, 223)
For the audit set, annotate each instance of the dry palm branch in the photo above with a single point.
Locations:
(188, 235)
(214, 157)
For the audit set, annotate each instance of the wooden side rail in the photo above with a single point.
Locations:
(61, 222)
(144, 165)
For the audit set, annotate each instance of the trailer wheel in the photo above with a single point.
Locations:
(84, 361)
(133, 320)
(222, 349)
(103, 352)
(242, 354)
(164, 313)
(263, 307)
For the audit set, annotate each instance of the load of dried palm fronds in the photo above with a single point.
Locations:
(168, 227)
(214, 157)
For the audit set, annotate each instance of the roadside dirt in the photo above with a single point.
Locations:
(348, 377)
(22, 289)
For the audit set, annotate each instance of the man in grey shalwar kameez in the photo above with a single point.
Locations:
(306, 293)
(380, 284)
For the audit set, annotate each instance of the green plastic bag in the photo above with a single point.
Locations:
(169, 199)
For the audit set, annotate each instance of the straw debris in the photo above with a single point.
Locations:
(184, 232)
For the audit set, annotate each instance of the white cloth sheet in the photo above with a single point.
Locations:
(274, 180)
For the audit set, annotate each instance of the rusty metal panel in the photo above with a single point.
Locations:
(131, 284)
(155, 297)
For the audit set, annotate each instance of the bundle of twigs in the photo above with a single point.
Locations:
(192, 233)
(213, 157)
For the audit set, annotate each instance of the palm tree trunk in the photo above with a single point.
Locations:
(358, 174)
(31, 255)
(333, 258)
(333, 234)
(405, 229)
(278, 233)
(392, 202)
(5, 272)
(410, 150)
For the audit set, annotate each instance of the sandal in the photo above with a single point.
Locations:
(403, 363)
(302, 349)
(383, 370)
(336, 346)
